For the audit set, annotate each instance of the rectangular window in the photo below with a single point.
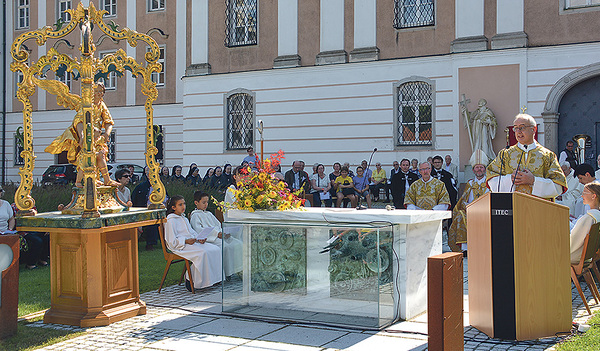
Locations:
(65, 78)
(61, 10)
(111, 156)
(18, 147)
(18, 80)
(413, 13)
(156, 5)
(22, 14)
(110, 6)
(110, 83)
(569, 4)
(241, 23)
(415, 108)
(159, 77)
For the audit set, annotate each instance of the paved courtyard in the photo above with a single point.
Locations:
(179, 320)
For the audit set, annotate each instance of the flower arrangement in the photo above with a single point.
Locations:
(260, 190)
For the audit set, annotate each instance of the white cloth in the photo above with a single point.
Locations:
(569, 198)
(562, 157)
(579, 231)
(232, 248)
(124, 196)
(206, 258)
(6, 213)
(230, 195)
(542, 187)
(597, 176)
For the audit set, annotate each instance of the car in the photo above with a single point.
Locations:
(59, 174)
(137, 169)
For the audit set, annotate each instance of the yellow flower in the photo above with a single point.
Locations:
(248, 203)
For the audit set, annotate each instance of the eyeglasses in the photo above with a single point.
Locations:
(520, 129)
(126, 176)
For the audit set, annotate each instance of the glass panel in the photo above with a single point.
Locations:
(295, 273)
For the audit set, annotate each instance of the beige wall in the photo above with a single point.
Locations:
(546, 25)
(499, 85)
(423, 41)
(309, 19)
(243, 58)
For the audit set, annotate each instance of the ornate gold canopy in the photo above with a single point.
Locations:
(87, 67)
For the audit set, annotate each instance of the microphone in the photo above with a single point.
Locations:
(501, 166)
(518, 166)
(362, 207)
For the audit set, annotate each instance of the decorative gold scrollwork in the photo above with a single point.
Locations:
(87, 66)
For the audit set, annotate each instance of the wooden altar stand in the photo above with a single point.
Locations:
(94, 265)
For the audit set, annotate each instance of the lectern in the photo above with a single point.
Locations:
(519, 283)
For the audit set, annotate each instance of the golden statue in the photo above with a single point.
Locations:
(86, 139)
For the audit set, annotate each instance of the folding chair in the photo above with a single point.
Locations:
(173, 258)
(591, 245)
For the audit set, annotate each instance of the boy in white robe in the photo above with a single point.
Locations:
(202, 220)
(184, 241)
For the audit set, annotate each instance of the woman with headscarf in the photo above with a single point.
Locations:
(227, 175)
(177, 174)
(209, 173)
(193, 178)
(218, 179)
(164, 174)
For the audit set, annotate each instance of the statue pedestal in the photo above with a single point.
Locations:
(94, 265)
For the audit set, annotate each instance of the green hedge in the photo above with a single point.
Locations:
(47, 198)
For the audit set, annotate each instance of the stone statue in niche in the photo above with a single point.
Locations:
(481, 125)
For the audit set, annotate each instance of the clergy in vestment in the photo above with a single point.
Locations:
(526, 167)
(427, 193)
(457, 234)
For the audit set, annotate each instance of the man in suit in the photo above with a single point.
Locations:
(446, 177)
(388, 185)
(451, 167)
(401, 181)
(296, 179)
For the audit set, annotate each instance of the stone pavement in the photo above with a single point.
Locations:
(179, 320)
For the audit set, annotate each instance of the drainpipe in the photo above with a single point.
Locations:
(4, 92)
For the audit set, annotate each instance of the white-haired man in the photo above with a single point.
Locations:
(526, 167)
(427, 193)
(457, 234)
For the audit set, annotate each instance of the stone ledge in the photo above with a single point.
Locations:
(364, 54)
(468, 44)
(287, 61)
(509, 40)
(198, 69)
(331, 57)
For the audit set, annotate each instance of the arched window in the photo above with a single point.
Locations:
(239, 119)
(413, 13)
(414, 109)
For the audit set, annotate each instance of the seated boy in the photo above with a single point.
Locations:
(345, 187)
(203, 220)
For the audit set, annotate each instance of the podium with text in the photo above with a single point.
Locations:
(519, 259)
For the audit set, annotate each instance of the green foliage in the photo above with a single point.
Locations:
(589, 341)
(187, 191)
(47, 198)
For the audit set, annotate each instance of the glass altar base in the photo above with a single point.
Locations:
(292, 271)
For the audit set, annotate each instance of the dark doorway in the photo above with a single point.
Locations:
(579, 113)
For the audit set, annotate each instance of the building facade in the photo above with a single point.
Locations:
(331, 79)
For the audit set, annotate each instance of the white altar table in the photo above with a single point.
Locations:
(373, 275)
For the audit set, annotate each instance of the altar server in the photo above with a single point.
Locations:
(202, 220)
(457, 234)
(427, 193)
(184, 241)
(591, 197)
(526, 167)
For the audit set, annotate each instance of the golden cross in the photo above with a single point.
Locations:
(523, 109)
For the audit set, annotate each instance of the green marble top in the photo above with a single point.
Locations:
(58, 220)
